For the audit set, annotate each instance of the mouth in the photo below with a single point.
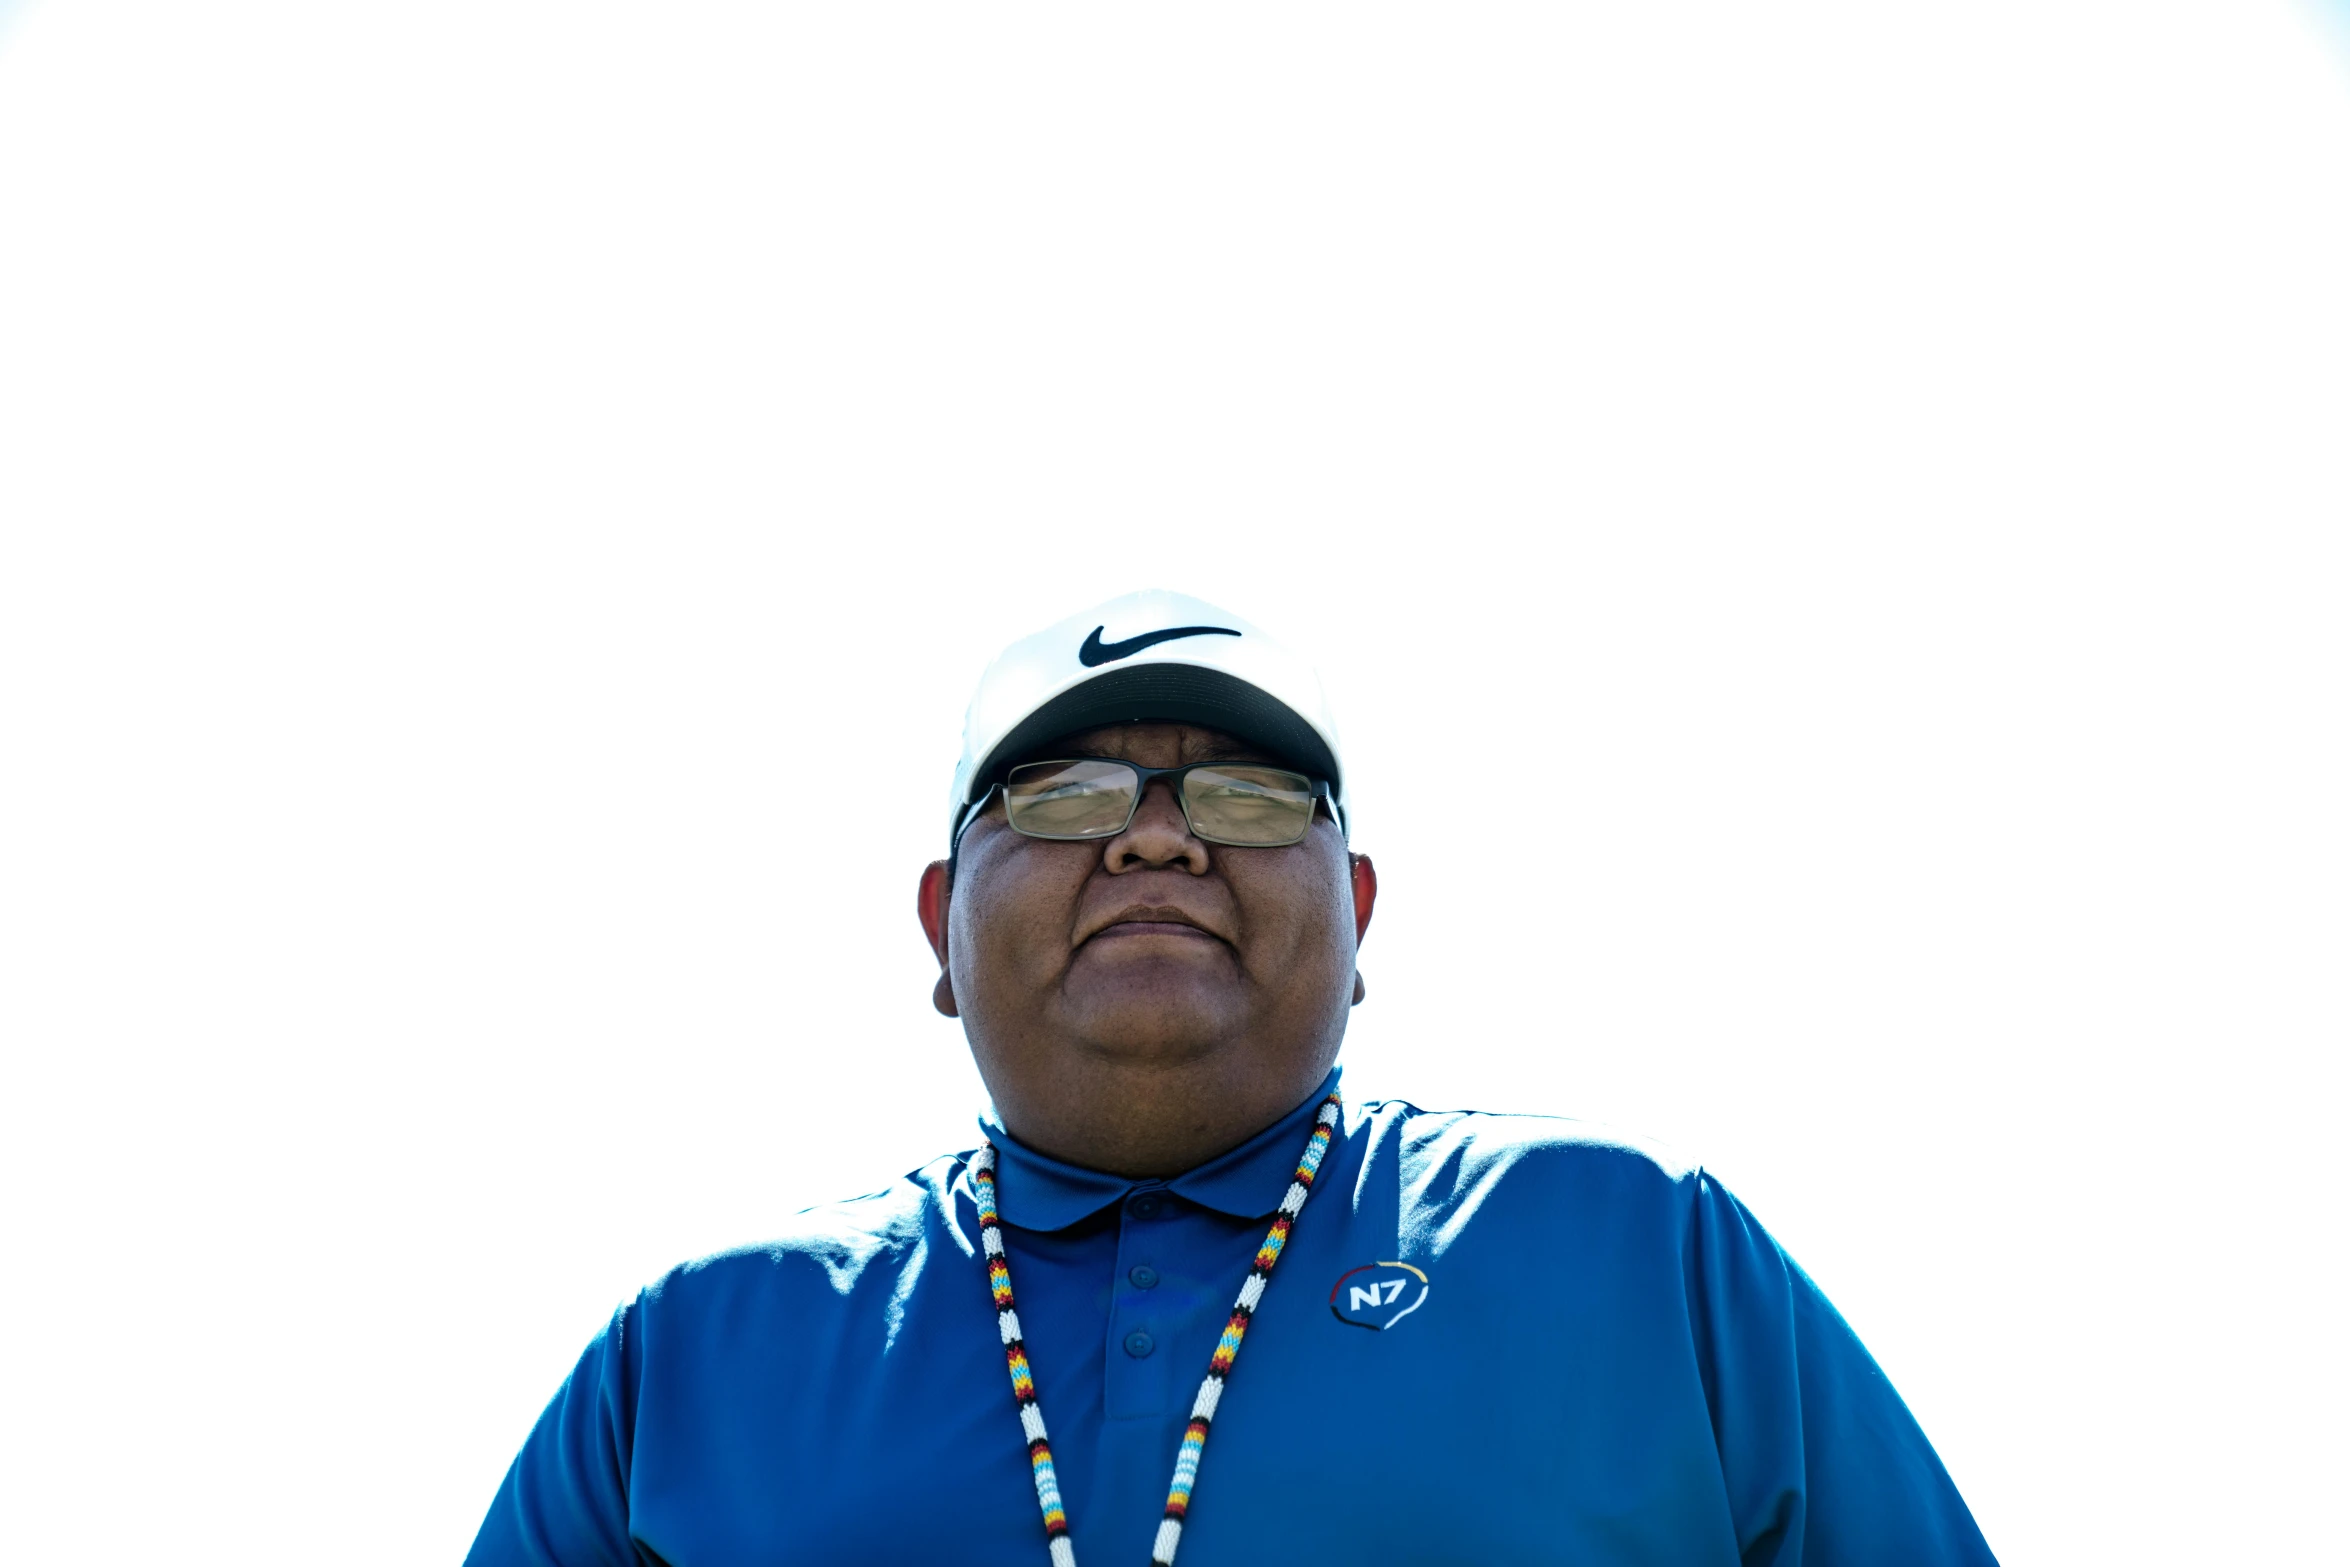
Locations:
(1129, 928)
(1139, 924)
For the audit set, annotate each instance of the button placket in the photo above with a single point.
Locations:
(1138, 1382)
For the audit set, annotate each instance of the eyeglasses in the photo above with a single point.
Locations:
(1235, 803)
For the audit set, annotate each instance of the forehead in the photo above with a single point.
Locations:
(1154, 743)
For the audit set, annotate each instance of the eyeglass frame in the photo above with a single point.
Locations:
(1319, 788)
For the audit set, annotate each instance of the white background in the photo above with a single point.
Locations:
(1825, 524)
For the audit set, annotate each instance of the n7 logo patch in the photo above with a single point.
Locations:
(1378, 1295)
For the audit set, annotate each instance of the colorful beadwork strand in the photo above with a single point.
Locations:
(1007, 1321)
(1211, 1390)
(1252, 1290)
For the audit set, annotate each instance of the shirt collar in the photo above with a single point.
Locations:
(1037, 1192)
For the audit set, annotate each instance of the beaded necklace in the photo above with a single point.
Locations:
(1203, 1408)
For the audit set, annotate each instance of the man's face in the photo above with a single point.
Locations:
(1152, 953)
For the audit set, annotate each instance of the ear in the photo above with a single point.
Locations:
(1366, 889)
(930, 904)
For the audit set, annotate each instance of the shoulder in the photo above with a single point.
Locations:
(835, 1250)
(1457, 1159)
(1488, 1139)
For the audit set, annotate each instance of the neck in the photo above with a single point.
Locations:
(1148, 1122)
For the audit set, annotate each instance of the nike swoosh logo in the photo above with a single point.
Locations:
(1096, 651)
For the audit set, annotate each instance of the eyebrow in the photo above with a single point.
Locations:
(1239, 752)
(1225, 748)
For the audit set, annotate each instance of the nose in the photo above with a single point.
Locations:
(1158, 838)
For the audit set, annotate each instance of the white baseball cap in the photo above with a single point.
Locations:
(1151, 655)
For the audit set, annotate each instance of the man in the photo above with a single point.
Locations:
(1184, 1295)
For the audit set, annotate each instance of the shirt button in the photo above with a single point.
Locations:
(1139, 1343)
(1145, 1207)
(1143, 1276)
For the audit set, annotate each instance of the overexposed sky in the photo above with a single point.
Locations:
(1865, 484)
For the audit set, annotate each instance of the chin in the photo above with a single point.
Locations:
(1156, 1022)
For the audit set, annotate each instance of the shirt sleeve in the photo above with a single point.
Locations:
(564, 1502)
(1822, 1462)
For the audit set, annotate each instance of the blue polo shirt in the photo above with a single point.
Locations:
(1491, 1339)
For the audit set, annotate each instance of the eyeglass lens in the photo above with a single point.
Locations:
(1230, 803)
